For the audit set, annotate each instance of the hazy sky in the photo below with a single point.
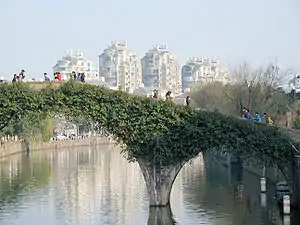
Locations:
(35, 33)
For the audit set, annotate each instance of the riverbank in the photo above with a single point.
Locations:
(17, 147)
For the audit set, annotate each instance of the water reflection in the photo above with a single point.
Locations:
(233, 195)
(86, 186)
(161, 216)
(94, 181)
(20, 178)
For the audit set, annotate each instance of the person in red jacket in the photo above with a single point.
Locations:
(59, 77)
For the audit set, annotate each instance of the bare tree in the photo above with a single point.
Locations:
(255, 89)
(258, 90)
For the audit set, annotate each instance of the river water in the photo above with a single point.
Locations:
(96, 185)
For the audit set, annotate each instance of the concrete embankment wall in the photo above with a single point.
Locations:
(15, 147)
(272, 174)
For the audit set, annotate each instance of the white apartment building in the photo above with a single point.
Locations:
(120, 67)
(74, 61)
(294, 83)
(202, 70)
(161, 69)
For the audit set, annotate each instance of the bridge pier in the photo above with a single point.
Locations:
(236, 171)
(159, 181)
(236, 168)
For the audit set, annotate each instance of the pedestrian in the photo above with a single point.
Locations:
(47, 79)
(268, 119)
(59, 77)
(55, 77)
(73, 76)
(257, 117)
(155, 94)
(15, 78)
(188, 100)
(168, 96)
(83, 77)
(22, 75)
(244, 113)
(248, 115)
(78, 77)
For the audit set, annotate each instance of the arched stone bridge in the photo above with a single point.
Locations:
(160, 135)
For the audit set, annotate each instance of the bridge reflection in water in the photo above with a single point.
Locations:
(98, 186)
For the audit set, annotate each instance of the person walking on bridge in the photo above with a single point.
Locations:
(46, 78)
(73, 75)
(246, 114)
(249, 117)
(257, 117)
(15, 78)
(155, 94)
(168, 96)
(188, 100)
(268, 119)
(22, 75)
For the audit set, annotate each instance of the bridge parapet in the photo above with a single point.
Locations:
(293, 134)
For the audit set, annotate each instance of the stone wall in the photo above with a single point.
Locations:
(16, 147)
(272, 174)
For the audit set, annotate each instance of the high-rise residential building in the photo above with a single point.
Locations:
(74, 61)
(161, 69)
(202, 70)
(294, 83)
(120, 67)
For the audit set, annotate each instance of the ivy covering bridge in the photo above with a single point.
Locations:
(160, 135)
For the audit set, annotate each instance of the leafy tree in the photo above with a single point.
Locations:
(22, 109)
(46, 128)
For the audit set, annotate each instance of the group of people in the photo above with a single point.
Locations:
(57, 77)
(257, 118)
(19, 77)
(78, 77)
(169, 98)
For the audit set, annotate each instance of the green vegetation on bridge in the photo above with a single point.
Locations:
(156, 131)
